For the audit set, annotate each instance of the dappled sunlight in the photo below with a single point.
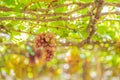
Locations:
(59, 40)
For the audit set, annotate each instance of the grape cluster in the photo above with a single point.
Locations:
(36, 56)
(45, 43)
(117, 46)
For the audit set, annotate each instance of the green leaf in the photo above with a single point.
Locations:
(30, 50)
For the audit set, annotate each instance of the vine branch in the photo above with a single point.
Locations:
(94, 15)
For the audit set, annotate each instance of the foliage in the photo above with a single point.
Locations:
(87, 39)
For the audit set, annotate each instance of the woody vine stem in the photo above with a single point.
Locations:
(94, 15)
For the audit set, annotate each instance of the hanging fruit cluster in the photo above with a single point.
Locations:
(44, 47)
(36, 57)
(73, 60)
(117, 46)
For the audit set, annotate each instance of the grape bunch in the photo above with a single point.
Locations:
(37, 55)
(44, 43)
(117, 46)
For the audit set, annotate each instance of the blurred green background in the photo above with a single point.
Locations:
(22, 20)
